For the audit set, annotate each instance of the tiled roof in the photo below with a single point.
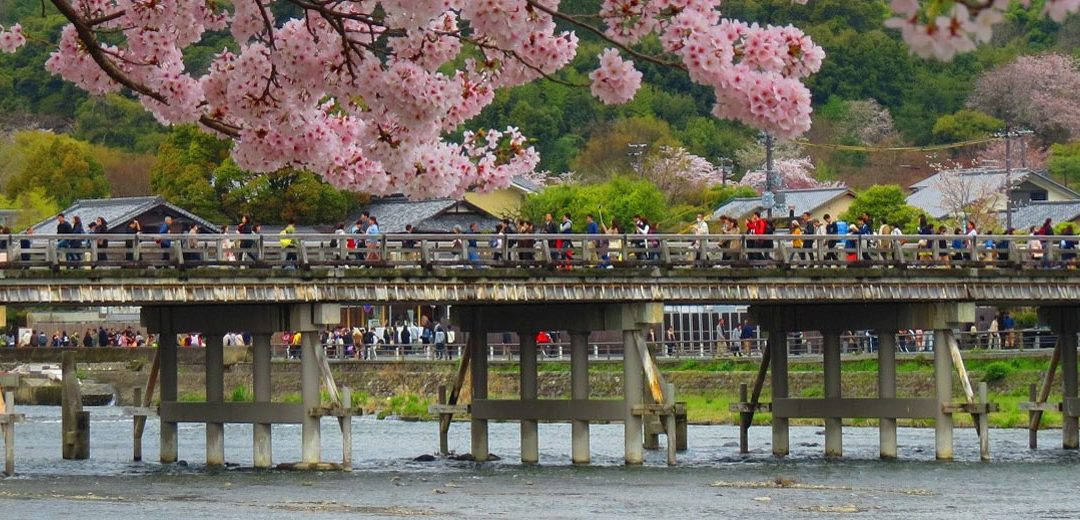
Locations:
(117, 212)
(928, 192)
(802, 200)
(929, 197)
(1035, 212)
(433, 215)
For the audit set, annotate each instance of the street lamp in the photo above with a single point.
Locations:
(637, 154)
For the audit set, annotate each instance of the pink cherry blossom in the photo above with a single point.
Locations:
(616, 81)
(11, 38)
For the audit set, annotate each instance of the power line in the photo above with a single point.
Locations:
(932, 148)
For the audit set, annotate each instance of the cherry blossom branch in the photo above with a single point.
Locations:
(599, 32)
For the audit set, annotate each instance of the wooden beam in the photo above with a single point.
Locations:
(261, 413)
(455, 392)
(610, 410)
(872, 408)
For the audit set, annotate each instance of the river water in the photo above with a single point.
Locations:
(711, 479)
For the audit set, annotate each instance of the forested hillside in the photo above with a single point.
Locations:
(870, 91)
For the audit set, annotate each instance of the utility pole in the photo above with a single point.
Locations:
(1008, 178)
(1008, 135)
(727, 166)
(772, 183)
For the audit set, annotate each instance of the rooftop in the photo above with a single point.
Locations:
(1034, 213)
(117, 212)
(802, 200)
(431, 216)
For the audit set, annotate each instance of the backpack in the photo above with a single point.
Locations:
(426, 334)
(440, 336)
(842, 227)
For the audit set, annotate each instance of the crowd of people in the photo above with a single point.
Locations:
(807, 239)
(92, 337)
(364, 342)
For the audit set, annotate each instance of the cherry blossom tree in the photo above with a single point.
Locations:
(795, 174)
(1040, 92)
(364, 91)
(678, 173)
(970, 196)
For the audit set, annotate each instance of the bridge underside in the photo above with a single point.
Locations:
(522, 286)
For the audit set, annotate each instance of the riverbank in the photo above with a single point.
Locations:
(406, 388)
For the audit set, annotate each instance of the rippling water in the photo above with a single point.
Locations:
(712, 479)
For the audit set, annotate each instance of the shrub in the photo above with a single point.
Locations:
(997, 371)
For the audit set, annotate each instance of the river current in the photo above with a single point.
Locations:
(712, 479)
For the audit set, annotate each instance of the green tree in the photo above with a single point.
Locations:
(64, 167)
(607, 152)
(278, 196)
(34, 205)
(118, 122)
(965, 125)
(184, 168)
(620, 198)
(1064, 162)
(884, 202)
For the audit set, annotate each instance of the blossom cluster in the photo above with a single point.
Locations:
(11, 38)
(961, 28)
(755, 71)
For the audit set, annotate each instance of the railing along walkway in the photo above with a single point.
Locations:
(532, 251)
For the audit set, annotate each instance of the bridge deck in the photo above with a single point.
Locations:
(207, 269)
(209, 285)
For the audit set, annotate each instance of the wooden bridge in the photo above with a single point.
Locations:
(576, 283)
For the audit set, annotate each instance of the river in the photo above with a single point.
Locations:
(711, 479)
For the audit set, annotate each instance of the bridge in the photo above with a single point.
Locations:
(577, 283)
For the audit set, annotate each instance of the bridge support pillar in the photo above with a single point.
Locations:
(579, 390)
(1065, 321)
(834, 441)
(633, 382)
(1070, 428)
(779, 370)
(943, 383)
(262, 440)
(215, 394)
(169, 450)
(887, 389)
(479, 427)
(311, 432)
(530, 437)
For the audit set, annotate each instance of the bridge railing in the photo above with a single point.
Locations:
(565, 251)
(799, 344)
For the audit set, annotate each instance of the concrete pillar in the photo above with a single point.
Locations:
(479, 427)
(778, 349)
(579, 389)
(1070, 428)
(943, 424)
(530, 442)
(834, 442)
(215, 394)
(633, 375)
(311, 443)
(262, 443)
(887, 389)
(167, 343)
